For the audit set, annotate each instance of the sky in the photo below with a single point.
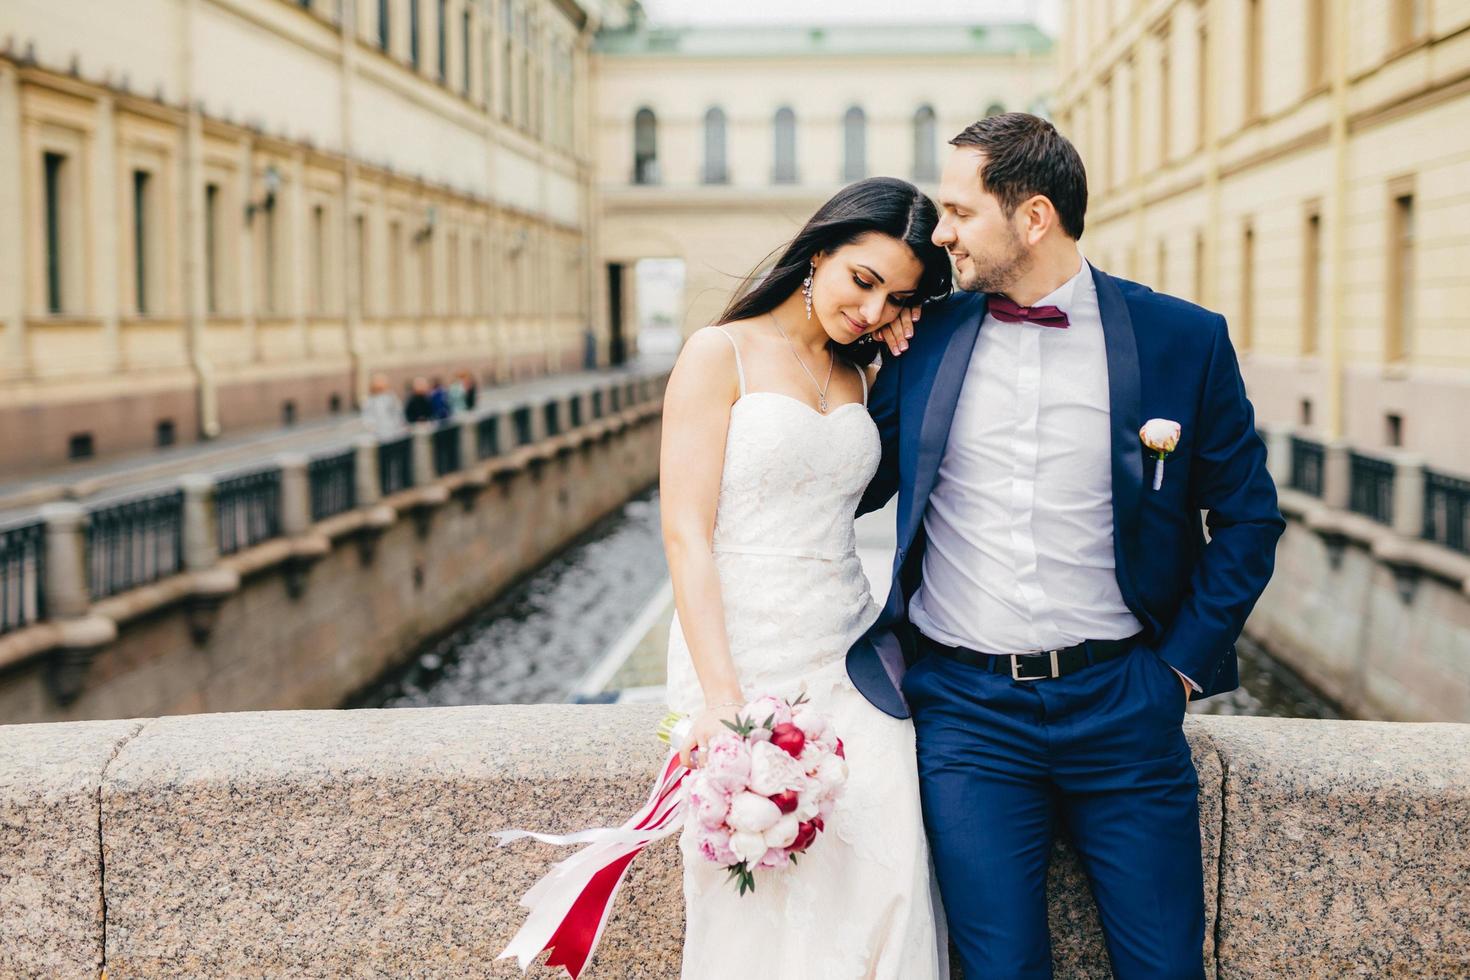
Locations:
(1046, 13)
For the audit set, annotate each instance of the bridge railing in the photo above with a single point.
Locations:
(134, 542)
(22, 575)
(1370, 490)
(1447, 511)
(138, 541)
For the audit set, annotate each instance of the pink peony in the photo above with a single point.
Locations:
(727, 764)
(714, 844)
(772, 770)
(749, 812)
(709, 804)
(832, 774)
(748, 847)
(757, 711)
(783, 831)
(812, 724)
(776, 858)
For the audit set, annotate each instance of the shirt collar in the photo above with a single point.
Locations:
(1064, 297)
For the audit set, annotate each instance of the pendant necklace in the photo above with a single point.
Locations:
(831, 359)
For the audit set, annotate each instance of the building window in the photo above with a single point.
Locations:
(1199, 267)
(269, 293)
(1400, 277)
(359, 238)
(507, 57)
(854, 144)
(455, 306)
(164, 433)
(1393, 430)
(1410, 21)
(1317, 41)
(1166, 102)
(926, 158)
(645, 147)
(384, 24)
(142, 233)
(442, 35)
(715, 171)
(784, 130)
(80, 446)
(395, 268)
(477, 275)
(1253, 62)
(1305, 413)
(466, 61)
(211, 248)
(415, 55)
(1202, 89)
(1161, 265)
(318, 271)
(54, 165)
(1247, 286)
(1312, 280)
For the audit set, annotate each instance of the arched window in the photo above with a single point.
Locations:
(994, 109)
(784, 171)
(926, 165)
(715, 171)
(854, 144)
(645, 147)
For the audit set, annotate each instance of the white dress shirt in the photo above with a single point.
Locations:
(1019, 528)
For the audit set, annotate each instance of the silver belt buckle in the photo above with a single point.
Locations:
(1053, 674)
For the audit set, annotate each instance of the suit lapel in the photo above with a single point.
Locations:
(1125, 406)
(935, 390)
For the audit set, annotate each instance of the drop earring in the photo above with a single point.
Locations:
(806, 288)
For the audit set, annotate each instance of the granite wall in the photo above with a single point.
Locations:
(358, 844)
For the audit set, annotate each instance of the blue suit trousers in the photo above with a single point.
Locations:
(1098, 754)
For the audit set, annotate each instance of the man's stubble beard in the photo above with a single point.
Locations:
(1001, 274)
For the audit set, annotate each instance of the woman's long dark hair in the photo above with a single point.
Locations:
(878, 205)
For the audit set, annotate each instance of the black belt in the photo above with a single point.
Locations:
(1035, 666)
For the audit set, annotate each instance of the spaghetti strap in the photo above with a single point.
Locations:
(863, 377)
(740, 368)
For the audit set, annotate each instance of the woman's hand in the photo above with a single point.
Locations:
(898, 333)
(707, 724)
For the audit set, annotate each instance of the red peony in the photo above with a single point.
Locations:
(805, 834)
(840, 754)
(787, 736)
(786, 800)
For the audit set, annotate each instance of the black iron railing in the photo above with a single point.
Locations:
(395, 465)
(616, 394)
(552, 411)
(333, 484)
(597, 405)
(521, 419)
(1447, 510)
(134, 542)
(1370, 483)
(248, 509)
(1307, 460)
(576, 411)
(487, 437)
(445, 442)
(22, 575)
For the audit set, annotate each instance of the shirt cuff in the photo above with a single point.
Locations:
(1188, 680)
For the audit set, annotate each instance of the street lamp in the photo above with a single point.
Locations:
(272, 181)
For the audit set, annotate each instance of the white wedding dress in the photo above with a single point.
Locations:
(860, 904)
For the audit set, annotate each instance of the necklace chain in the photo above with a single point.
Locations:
(831, 360)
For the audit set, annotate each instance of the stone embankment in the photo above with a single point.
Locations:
(358, 844)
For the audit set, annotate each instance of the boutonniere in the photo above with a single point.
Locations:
(1160, 436)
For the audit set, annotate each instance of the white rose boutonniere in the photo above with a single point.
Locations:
(1160, 436)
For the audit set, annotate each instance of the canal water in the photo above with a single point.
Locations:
(540, 638)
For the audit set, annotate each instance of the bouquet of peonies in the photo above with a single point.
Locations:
(763, 791)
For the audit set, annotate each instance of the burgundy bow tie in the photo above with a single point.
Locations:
(1008, 312)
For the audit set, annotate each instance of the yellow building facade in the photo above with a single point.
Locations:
(1302, 166)
(224, 214)
(715, 144)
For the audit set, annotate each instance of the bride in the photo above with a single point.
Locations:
(766, 451)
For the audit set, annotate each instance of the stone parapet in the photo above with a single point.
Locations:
(358, 843)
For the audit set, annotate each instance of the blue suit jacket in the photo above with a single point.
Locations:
(1166, 359)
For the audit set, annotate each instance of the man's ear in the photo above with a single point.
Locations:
(1040, 217)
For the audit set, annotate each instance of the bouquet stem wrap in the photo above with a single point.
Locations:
(570, 906)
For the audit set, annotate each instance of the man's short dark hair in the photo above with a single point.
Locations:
(1026, 156)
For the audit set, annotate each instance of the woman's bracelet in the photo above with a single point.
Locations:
(730, 704)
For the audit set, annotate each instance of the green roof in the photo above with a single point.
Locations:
(847, 39)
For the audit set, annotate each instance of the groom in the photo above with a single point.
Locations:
(1055, 602)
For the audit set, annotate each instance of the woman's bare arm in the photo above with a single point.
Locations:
(696, 417)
